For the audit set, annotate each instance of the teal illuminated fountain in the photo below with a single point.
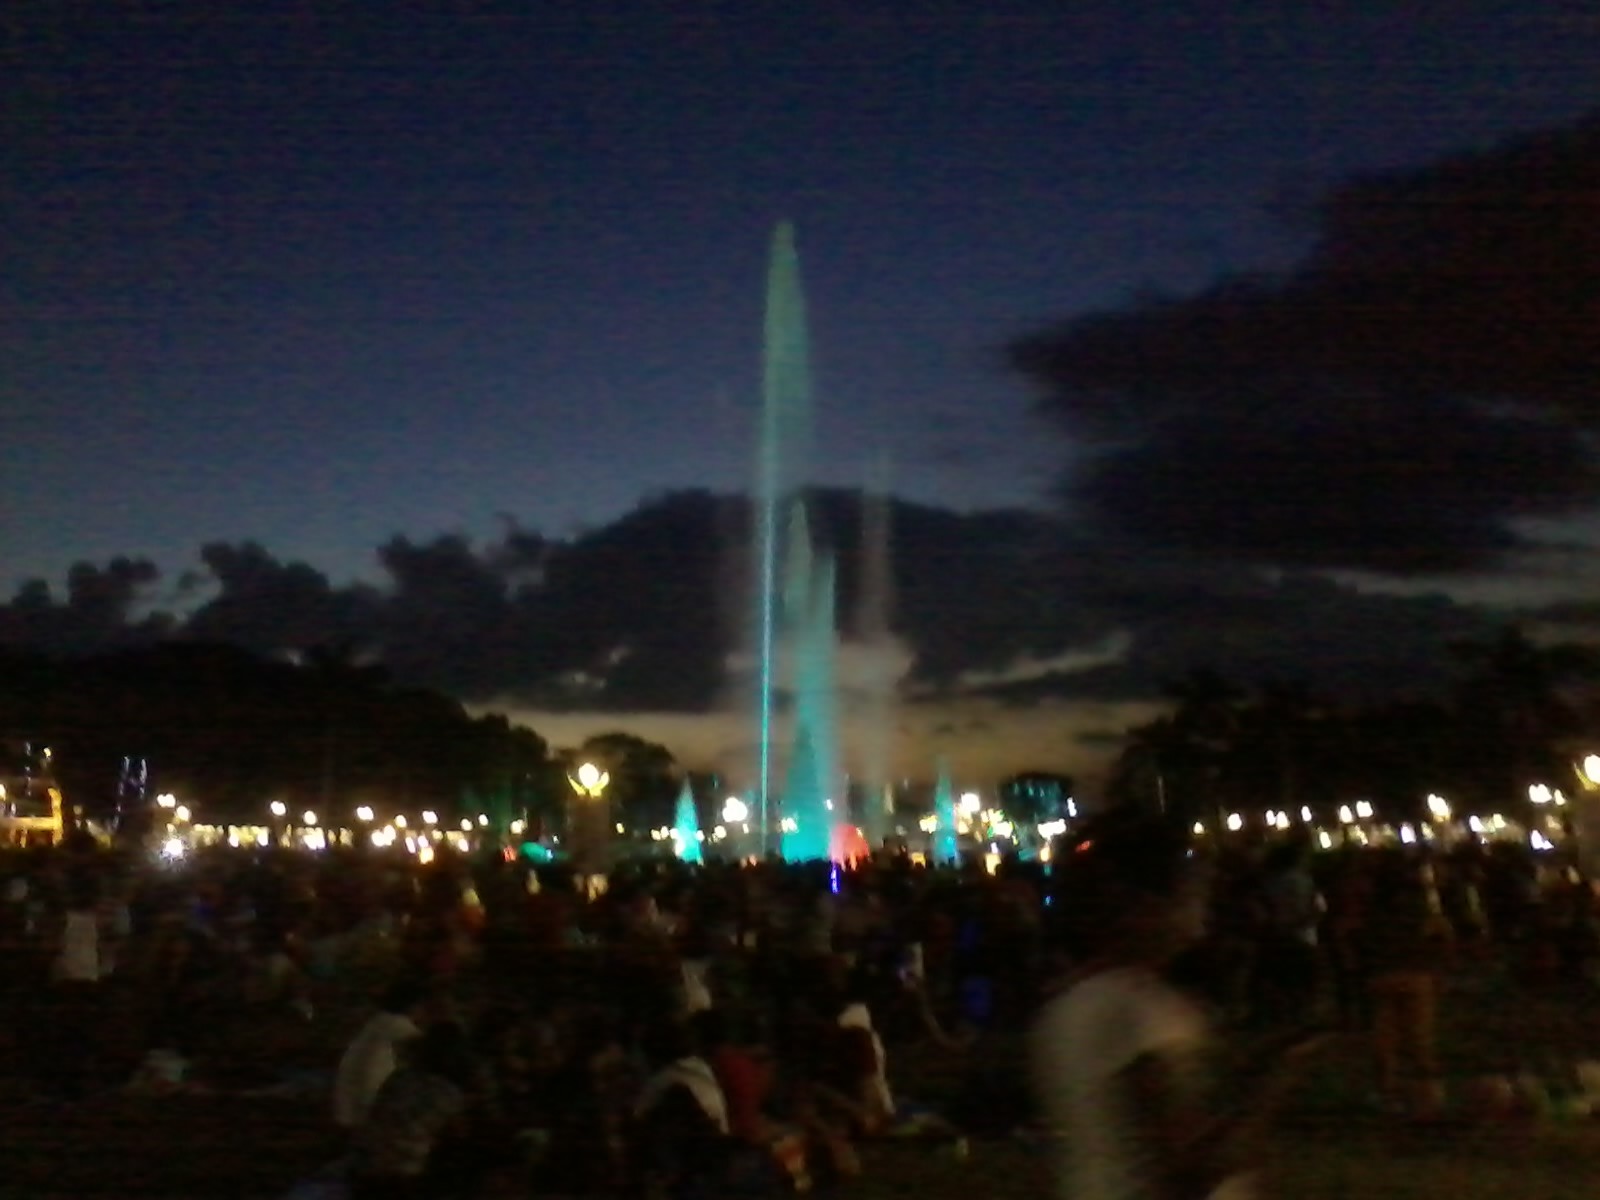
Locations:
(795, 614)
(946, 843)
(686, 827)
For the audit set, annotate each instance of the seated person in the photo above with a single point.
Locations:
(681, 1133)
(746, 1077)
(421, 1106)
(374, 1052)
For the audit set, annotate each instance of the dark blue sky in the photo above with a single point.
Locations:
(316, 278)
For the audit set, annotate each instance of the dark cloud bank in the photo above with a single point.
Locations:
(1422, 382)
(643, 614)
(1427, 376)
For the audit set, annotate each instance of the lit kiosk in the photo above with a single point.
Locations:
(589, 827)
(30, 799)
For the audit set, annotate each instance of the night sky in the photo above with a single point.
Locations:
(321, 276)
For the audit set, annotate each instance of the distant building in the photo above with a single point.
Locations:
(1038, 796)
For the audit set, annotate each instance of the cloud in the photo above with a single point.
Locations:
(1422, 383)
(1011, 633)
(101, 610)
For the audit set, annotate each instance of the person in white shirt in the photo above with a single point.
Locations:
(76, 972)
(374, 1053)
(1117, 1052)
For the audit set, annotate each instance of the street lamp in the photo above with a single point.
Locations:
(309, 817)
(589, 781)
(278, 808)
(429, 817)
(1591, 770)
(364, 813)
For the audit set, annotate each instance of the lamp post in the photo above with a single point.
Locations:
(1585, 820)
(588, 782)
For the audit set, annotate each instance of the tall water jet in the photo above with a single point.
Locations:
(872, 632)
(784, 434)
(686, 827)
(794, 586)
(808, 796)
(946, 842)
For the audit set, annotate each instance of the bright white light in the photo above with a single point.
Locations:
(1475, 824)
(278, 808)
(429, 817)
(1050, 829)
(518, 826)
(364, 813)
(1270, 818)
(425, 853)
(1559, 798)
(1346, 817)
(1539, 842)
(1199, 829)
(167, 800)
(1072, 808)
(788, 825)
(699, 835)
(173, 848)
(1235, 822)
(828, 804)
(466, 825)
(735, 810)
(928, 824)
(1364, 810)
(380, 837)
(1305, 813)
(1283, 821)
(182, 812)
(262, 837)
(309, 817)
(1591, 769)
(589, 776)
(969, 803)
(1325, 840)
(1408, 835)
(1539, 793)
(400, 821)
(1439, 806)
(719, 832)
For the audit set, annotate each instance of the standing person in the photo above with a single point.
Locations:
(1407, 946)
(1286, 964)
(76, 976)
(1118, 1051)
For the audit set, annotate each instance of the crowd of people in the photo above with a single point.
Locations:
(737, 1029)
